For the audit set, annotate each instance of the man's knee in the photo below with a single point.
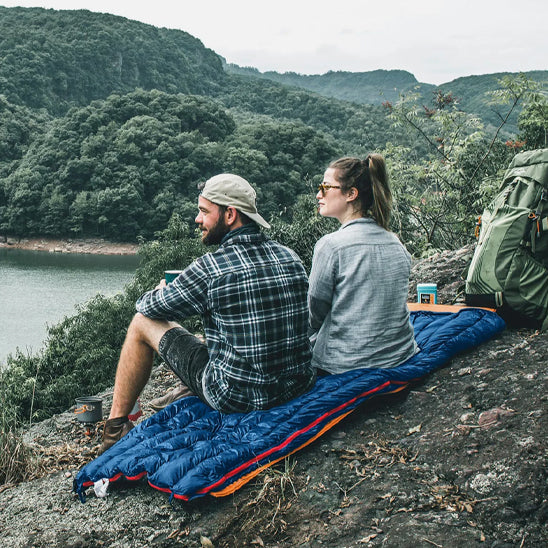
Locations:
(148, 330)
(138, 324)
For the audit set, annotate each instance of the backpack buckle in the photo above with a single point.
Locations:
(498, 299)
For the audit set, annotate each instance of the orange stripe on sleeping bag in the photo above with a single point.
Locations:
(244, 479)
(413, 307)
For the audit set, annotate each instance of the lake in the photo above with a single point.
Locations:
(38, 289)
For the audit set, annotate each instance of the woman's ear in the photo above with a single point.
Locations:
(352, 194)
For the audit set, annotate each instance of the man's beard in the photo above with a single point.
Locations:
(216, 233)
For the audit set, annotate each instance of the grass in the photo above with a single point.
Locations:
(16, 458)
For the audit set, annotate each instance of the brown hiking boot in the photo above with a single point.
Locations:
(114, 430)
(177, 393)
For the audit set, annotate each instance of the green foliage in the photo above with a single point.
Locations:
(533, 122)
(279, 158)
(356, 129)
(55, 60)
(304, 230)
(371, 87)
(116, 168)
(120, 168)
(434, 206)
(439, 196)
(19, 128)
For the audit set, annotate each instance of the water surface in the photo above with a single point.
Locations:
(38, 289)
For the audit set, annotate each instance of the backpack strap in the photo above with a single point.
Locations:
(539, 224)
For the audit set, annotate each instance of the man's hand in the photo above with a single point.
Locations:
(161, 284)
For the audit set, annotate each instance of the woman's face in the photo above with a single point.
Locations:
(331, 201)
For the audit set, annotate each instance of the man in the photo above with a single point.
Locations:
(251, 294)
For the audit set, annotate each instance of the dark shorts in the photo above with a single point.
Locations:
(187, 356)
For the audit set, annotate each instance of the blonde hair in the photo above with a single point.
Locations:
(370, 178)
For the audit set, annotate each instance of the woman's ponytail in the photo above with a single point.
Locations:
(382, 195)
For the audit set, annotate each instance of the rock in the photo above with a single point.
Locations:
(493, 417)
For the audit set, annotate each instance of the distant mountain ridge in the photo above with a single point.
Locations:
(376, 86)
(372, 87)
(58, 59)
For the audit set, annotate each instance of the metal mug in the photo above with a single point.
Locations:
(89, 409)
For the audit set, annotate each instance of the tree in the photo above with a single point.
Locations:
(439, 196)
(533, 122)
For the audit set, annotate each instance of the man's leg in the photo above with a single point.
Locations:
(134, 368)
(135, 363)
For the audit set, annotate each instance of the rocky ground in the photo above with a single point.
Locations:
(457, 460)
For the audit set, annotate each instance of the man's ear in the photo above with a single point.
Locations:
(231, 215)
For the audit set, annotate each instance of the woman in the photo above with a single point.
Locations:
(360, 273)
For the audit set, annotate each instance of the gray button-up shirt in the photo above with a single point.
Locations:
(358, 299)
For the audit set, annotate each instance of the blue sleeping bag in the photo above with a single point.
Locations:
(190, 450)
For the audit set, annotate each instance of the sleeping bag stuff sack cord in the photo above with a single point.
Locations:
(190, 450)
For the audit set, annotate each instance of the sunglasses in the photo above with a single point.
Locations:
(323, 188)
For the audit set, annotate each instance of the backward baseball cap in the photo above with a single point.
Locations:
(228, 189)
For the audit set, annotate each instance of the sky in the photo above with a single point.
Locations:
(436, 40)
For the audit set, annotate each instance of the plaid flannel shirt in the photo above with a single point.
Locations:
(251, 294)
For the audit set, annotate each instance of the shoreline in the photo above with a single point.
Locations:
(95, 246)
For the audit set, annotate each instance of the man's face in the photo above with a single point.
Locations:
(211, 222)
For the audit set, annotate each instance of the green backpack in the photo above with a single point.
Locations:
(509, 269)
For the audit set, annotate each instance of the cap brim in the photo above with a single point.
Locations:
(258, 219)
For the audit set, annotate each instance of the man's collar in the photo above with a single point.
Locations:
(249, 228)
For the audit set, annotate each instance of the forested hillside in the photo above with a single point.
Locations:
(120, 167)
(57, 59)
(377, 86)
(473, 93)
(371, 87)
(107, 124)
